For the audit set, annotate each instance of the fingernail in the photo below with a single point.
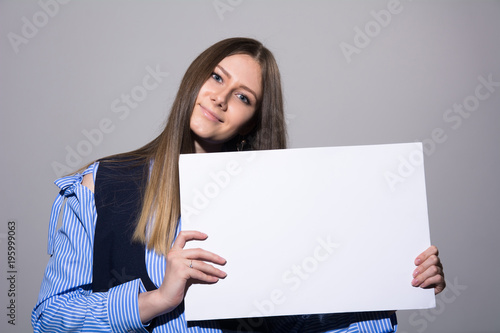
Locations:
(415, 273)
(418, 261)
(414, 282)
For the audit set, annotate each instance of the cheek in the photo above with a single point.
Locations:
(206, 88)
(195, 122)
(245, 120)
(197, 118)
(191, 121)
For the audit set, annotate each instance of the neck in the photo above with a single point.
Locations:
(201, 146)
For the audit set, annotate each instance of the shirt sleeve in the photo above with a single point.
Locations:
(66, 301)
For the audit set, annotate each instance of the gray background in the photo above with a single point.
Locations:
(63, 80)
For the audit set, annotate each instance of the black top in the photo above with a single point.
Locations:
(118, 197)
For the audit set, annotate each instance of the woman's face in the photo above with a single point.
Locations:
(226, 102)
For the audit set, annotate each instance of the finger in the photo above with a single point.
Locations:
(426, 277)
(203, 255)
(199, 271)
(198, 276)
(186, 236)
(431, 250)
(202, 272)
(432, 281)
(207, 269)
(437, 282)
(433, 260)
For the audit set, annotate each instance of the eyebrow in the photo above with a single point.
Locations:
(242, 86)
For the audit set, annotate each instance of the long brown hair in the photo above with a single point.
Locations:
(161, 200)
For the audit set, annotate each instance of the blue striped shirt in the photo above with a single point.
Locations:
(66, 301)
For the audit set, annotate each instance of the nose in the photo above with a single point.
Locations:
(219, 98)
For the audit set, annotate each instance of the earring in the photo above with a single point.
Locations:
(241, 145)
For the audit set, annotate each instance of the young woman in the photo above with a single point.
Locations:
(118, 262)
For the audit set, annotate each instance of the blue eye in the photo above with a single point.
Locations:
(244, 99)
(216, 77)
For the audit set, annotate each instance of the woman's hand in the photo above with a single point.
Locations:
(429, 272)
(183, 268)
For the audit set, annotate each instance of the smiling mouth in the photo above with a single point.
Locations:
(209, 114)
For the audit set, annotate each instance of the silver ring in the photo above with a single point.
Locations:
(191, 264)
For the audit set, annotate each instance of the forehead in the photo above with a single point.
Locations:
(245, 70)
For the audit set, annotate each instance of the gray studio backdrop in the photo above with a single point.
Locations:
(84, 79)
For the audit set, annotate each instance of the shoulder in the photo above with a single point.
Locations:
(88, 181)
(69, 184)
(89, 175)
(77, 190)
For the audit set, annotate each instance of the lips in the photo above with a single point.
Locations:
(210, 114)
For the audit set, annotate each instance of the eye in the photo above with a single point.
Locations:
(216, 77)
(243, 98)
